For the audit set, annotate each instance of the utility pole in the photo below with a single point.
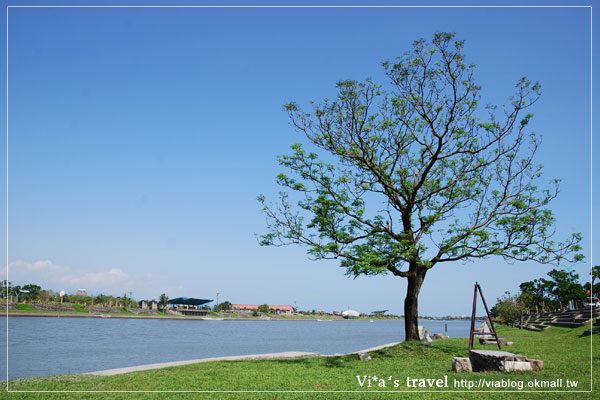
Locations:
(217, 300)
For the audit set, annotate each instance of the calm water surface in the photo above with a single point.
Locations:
(40, 346)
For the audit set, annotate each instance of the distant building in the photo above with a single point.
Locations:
(379, 313)
(279, 309)
(282, 309)
(189, 306)
(350, 314)
(81, 292)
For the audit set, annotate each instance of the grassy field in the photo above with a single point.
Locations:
(28, 308)
(77, 309)
(566, 354)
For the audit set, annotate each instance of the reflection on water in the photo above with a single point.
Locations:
(49, 346)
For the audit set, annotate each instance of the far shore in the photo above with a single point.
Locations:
(189, 318)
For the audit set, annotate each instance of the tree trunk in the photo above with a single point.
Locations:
(411, 302)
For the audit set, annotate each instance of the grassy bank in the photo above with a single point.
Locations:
(566, 355)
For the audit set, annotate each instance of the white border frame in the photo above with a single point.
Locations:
(317, 6)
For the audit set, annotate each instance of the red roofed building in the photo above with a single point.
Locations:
(250, 307)
(243, 307)
(282, 309)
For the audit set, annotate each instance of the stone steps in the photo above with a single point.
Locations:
(567, 319)
(585, 311)
(541, 326)
(567, 324)
(534, 328)
(578, 320)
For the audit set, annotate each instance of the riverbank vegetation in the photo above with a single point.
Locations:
(565, 352)
(562, 290)
(32, 293)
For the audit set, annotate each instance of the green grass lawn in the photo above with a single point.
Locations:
(80, 308)
(28, 308)
(565, 352)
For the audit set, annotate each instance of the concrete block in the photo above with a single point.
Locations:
(536, 365)
(424, 335)
(461, 364)
(509, 366)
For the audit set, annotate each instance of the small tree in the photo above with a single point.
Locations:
(5, 288)
(34, 292)
(223, 306)
(508, 308)
(416, 175)
(162, 302)
(263, 308)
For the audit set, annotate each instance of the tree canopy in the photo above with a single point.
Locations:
(548, 294)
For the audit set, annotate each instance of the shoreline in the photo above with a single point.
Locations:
(286, 355)
(190, 318)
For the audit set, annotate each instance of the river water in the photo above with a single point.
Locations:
(39, 346)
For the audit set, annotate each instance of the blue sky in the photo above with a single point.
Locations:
(139, 139)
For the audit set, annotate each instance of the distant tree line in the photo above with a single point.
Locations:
(32, 293)
(544, 295)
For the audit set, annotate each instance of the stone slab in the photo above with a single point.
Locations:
(498, 354)
(492, 360)
(492, 340)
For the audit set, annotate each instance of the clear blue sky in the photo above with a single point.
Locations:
(139, 139)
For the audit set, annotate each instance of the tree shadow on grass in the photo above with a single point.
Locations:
(420, 349)
(293, 361)
(328, 362)
(453, 349)
(333, 362)
(595, 332)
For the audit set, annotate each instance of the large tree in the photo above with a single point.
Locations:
(565, 287)
(535, 294)
(415, 174)
(594, 288)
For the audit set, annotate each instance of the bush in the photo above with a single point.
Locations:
(508, 309)
(264, 308)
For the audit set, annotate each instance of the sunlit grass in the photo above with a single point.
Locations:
(565, 352)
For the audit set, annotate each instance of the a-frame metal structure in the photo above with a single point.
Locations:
(472, 333)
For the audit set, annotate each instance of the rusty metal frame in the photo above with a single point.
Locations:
(472, 332)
